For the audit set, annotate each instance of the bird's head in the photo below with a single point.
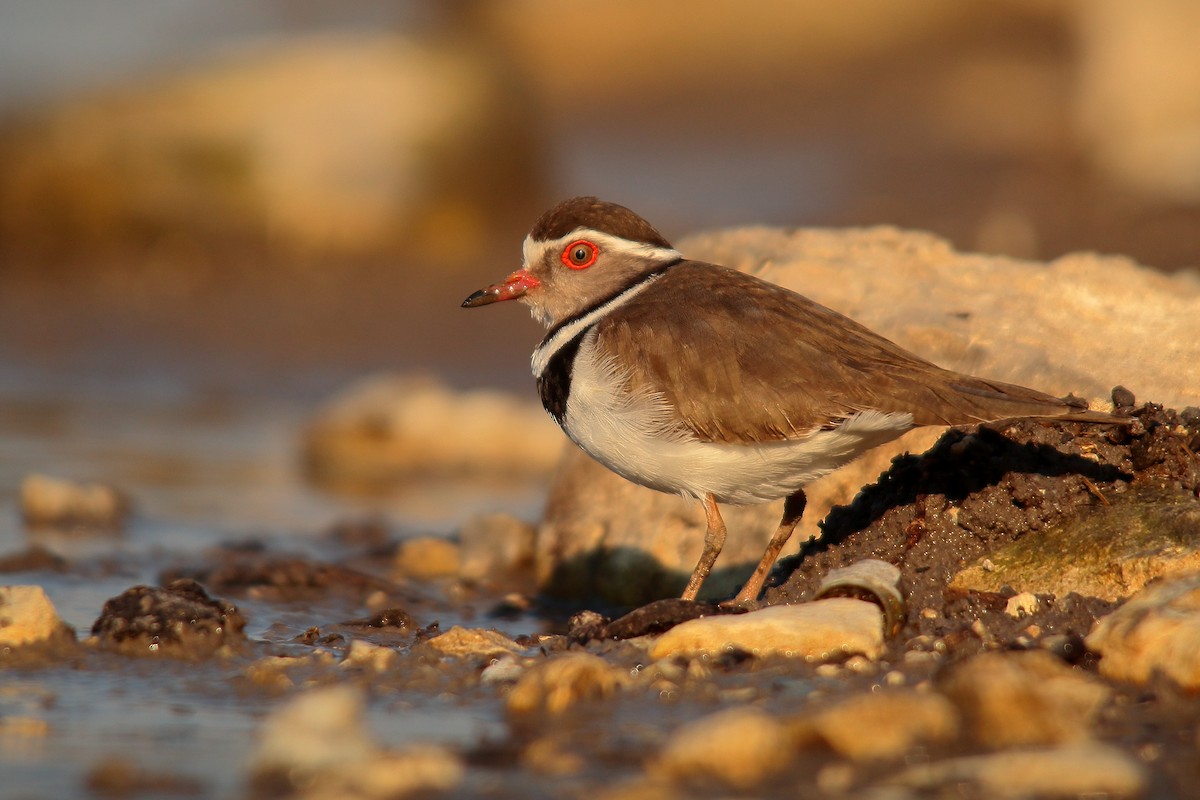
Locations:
(578, 254)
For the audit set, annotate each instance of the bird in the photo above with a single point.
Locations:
(700, 380)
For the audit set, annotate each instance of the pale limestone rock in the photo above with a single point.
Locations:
(424, 558)
(739, 747)
(319, 744)
(493, 545)
(555, 685)
(1072, 325)
(317, 730)
(389, 428)
(27, 616)
(1138, 97)
(1024, 604)
(884, 725)
(419, 769)
(472, 643)
(49, 501)
(817, 631)
(369, 656)
(1077, 770)
(1023, 698)
(1111, 552)
(1157, 632)
(325, 145)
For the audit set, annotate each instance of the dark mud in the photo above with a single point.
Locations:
(973, 491)
(179, 619)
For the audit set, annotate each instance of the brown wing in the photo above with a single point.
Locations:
(743, 360)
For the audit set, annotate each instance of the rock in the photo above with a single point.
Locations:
(371, 657)
(1025, 604)
(1156, 633)
(419, 769)
(494, 545)
(316, 730)
(550, 756)
(816, 631)
(559, 683)
(318, 745)
(1077, 770)
(236, 152)
(503, 671)
(27, 616)
(388, 429)
(1023, 698)
(116, 776)
(58, 503)
(179, 619)
(425, 558)
(885, 725)
(472, 643)
(1109, 552)
(282, 673)
(279, 578)
(741, 748)
(602, 535)
(1136, 105)
(35, 558)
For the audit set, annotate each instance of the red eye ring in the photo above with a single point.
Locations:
(580, 254)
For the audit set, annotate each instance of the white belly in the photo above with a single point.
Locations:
(634, 435)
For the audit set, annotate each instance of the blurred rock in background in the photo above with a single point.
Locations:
(325, 185)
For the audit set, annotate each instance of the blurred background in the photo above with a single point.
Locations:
(280, 196)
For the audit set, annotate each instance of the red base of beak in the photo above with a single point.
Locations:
(513, 287)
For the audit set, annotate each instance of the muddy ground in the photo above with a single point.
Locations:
(247, 626)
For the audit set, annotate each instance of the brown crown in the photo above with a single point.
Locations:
(591, 212)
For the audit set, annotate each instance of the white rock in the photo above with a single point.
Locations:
(46, 500)
(426, 558)
(1022, 605)
(396, 427)
(1138, 96)
(27, 616)
(461, 642)
(245, 140)
(561, 681)
(1023, 698)
(739, 747)
(494, 545)
(1079, 770)
(1157, 632)
(816, 631)
(317, 730)
(319, 743)
(882, 725)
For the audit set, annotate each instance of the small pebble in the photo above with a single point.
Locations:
(740, 748)
(560, 682)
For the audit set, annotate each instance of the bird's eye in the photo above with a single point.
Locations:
(580, 255)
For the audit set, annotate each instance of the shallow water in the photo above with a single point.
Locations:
(202, 472)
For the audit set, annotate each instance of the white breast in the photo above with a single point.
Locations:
(634, 435)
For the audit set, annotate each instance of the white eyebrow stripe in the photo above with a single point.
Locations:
(533, 250)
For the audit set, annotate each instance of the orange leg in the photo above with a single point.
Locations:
(793, 510)
(714, 540)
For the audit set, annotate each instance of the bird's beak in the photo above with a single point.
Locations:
(514, 286)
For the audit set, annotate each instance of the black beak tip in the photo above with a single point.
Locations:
(474, 299)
